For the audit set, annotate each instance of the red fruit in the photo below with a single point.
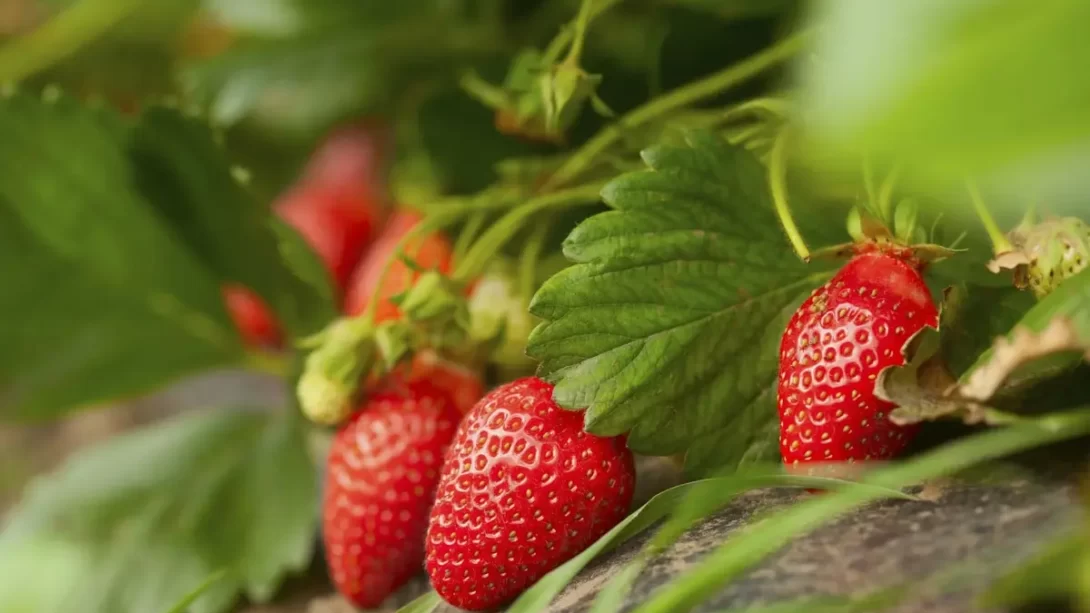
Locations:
(461, 384)
(523, 490)
(251, 316)
(432, 251)
(380, 483)
(351, 160)
(835, 345)
(338, 227)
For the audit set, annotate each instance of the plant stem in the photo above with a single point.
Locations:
(61, 36)
(678, 98)
(581, 22)
(777, 183)
(469, 232)
(500, 232)
(530, 256)
(573, 31)
(268, 363)
(1000, 243)
(436, 221)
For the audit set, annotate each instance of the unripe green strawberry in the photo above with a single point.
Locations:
(1054, 250)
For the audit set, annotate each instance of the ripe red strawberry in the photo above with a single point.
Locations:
(835, 345)
(460, 383)
(351, 159)
(523, 490)
(338, 226)
(251, 316)
(432, 251)
(380, 483)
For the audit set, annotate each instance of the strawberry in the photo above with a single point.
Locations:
(351, 160)
(251, 316)
(380, 480)
(432, 251)
(836, 343)
(523, 489)
(337, 227)
(460, 383)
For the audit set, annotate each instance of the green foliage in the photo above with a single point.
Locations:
(124, 233)
(116, 235)
(973, 317)
(1071, 302)
(669, 324)
(954, 88)
(300, 77)
(1057, 572)
(133, 524)
(185, 176)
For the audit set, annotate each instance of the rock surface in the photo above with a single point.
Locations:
(976, 531)
(960, 536)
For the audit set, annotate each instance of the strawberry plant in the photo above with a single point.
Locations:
(450, 270)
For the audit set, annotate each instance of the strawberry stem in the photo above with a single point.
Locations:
(1000, 243)
(502, 231)
(530, 256)
(443, 217)
(676, 99)
(581, 23)
(777, 183)
(576, 29)
(469, 232)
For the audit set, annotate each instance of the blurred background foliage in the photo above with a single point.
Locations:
(937, 89)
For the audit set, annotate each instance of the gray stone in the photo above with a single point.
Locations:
(978, 531)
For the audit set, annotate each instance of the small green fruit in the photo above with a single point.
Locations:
(1054, 250)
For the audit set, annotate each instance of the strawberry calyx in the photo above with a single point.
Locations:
(919, 256)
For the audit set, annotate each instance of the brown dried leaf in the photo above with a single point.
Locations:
(1024, 346)
(1009, 260)
(924, 390)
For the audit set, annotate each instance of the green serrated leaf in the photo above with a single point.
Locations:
(101, 298)
(669, 324)
(133, 524)
(186, 176)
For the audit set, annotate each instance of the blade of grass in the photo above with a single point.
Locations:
(182, 605)
(718, 489)
(425, 603)
(746, 549)
(697, 505)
